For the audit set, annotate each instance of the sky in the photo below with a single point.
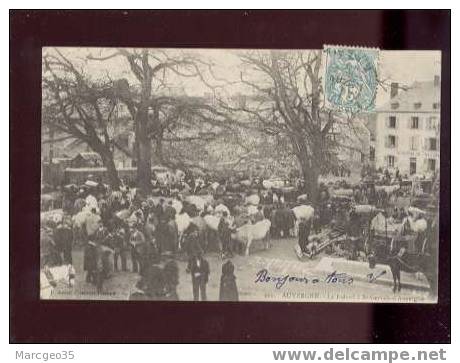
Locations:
(403, 67)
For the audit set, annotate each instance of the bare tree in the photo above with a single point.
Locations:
(287, 102)
(155, 112)
(79, 107)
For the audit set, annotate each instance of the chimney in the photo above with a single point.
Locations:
(437, 80)
(394, 89)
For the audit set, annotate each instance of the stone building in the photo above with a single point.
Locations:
(405, 130)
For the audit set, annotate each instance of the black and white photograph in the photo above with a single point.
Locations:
(240, 175)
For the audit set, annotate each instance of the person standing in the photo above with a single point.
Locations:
(93, 222)
(192, 242)
(120, 244)
(228, 290)
(63, 237)
(90, 262)
(49, 255)
(150, 234)
(171, 236)
(136, 240)
(304, 233)
(225, 235)
(198, 267)
(169, 211)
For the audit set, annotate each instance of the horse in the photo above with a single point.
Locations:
(425, 261)
(51, 277)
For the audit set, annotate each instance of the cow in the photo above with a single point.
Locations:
(248, 233)
(305, 212)
(183, 220)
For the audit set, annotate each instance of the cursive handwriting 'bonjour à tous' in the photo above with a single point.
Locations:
(264, 276)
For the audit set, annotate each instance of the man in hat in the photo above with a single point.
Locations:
(198, 267)
(192, 243)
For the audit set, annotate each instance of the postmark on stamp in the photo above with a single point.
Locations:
(351, 78)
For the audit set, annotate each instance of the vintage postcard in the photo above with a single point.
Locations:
(240, 175)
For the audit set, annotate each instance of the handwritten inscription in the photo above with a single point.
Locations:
(264, 276)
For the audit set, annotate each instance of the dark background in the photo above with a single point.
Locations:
(64, 322)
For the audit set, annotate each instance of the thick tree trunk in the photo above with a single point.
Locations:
(107, 159)
(144, 165)
(143, 151)
(310, 174)
(112, 172)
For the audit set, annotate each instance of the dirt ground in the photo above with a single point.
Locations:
(308, 283)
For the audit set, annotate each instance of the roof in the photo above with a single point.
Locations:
(89, 156)
(423, 93)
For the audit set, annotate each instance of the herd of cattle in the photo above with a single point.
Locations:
(250, 220)
(254, 215)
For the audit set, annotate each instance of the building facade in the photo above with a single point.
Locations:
(406, 130)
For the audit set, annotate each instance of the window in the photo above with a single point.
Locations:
(417, 105)
(391, 141)
(372, 153)
(391, 161)
(436, 106)
(432, 123)
(431, 164)
(433, 144)
(392, 122)
(412, 166)
(414, 143)
(414, 122)
(394, 105)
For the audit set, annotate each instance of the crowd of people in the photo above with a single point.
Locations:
(125, 231)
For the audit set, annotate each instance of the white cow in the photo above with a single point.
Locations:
(302, 211)
(267, 184)
(252, 209)
(197, 201)
(212, 221)
(415, 212)
(55, 215)
(79, 219)
(253, 232)
(253, 199)
(183, 220)
(418, 226)
(177, 205)
(364, 208)
(246, 183)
